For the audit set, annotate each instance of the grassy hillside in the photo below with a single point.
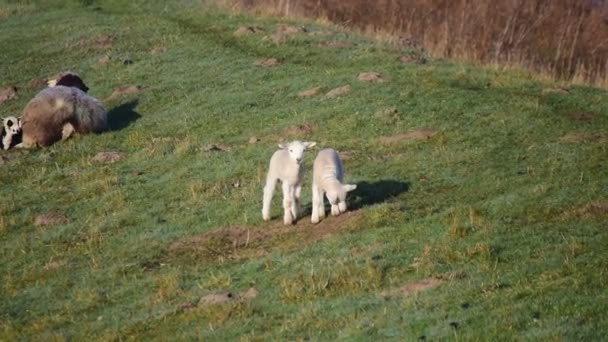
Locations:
(481, 209)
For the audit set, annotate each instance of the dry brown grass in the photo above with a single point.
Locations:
(567, 39)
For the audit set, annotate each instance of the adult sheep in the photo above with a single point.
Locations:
(60, 110)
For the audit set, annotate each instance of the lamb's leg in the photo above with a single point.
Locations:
(342, 206)
(67, 131)
(297, 205)
(335, 210)
(268, 193)
(315, 204)
(288, 199)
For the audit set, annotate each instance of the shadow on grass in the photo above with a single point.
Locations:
(368, 193)
(122, 116)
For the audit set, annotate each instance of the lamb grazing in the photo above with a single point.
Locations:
(60, 110)
(286, 166)
(328, 175)
(10, 133)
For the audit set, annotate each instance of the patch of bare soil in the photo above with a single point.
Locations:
(267, 63)
(594, 209)
(216, 148)
(103, 60)
(413, 288)
(8, 93)
(246, 30)
(237, 243)
(299, 130)
(585, 137)
(336, 44)
(310, 92)
(284, 32)
(582, 116)
(50, 219)
(108, 157)
(423, 133)
(124, 91)
(339, 91)
(100, 42)
(371, 76)
(37, 83)
(218, 298)
(345, 155)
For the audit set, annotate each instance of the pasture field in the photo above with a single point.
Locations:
(481, 211)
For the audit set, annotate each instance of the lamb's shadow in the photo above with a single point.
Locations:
(122, 116)
(368, 193)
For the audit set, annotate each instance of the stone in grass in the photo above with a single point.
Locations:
(254, 140)
(108, 157)
(50, 219)
(339, 91)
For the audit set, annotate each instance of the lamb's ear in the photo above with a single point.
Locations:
(349, 187)
(282, 146)
(309, 144)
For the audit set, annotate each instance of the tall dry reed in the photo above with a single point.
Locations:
(567, 39)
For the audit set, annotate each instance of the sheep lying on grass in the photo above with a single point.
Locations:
(328, 175)
(60, 110)
(286, 166)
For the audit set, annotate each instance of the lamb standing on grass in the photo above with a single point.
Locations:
(328, 175)
(286, 166)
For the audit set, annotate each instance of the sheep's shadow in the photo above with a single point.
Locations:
(122, 116)
(368, 193)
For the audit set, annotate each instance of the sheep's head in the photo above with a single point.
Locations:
(12, 125)
(68, 79)
(338, 194)
(297, 148)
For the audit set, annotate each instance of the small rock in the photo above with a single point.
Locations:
(371, 76)
(267, 63)
(50, 219)
(310, 92)
(8, 93)
(253, 140)
(339, 91)
(108, 157)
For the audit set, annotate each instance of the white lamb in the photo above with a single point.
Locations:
(328, 175)
(286, 166)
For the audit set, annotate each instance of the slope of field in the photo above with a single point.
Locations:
(480, 213)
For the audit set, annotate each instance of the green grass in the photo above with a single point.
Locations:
(510, 216)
